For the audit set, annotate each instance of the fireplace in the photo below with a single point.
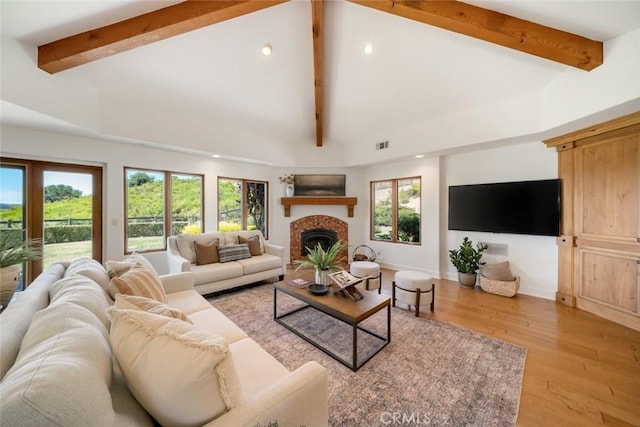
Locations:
(317, 236)
(316, 229)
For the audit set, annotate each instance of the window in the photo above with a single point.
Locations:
(242, 205)
(395, 210)
(58, 203)
(149, 196)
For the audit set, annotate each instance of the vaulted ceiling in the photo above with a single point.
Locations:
(190, 76)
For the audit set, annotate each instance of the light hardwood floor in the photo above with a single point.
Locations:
(580, 370)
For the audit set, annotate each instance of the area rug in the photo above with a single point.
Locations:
(431, 373)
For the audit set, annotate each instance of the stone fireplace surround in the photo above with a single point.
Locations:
(312, 222)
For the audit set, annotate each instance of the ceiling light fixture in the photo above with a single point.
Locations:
(215, 156)
(419, 156)
(266, 50)
(368, 48)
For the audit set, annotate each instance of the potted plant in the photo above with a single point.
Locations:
(467, 260)
(14, 251)
(323, 261)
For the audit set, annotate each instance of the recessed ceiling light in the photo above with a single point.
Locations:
(419, 156)
(215, 156)
(368, 48)
(266, 50)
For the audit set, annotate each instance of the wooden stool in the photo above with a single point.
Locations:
(413, 288)
(367, 268)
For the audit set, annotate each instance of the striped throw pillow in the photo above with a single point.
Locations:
(134, 302)
(138, 281)
(233, 252)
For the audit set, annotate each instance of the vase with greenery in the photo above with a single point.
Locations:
(323, 261)
(14, 251)
(466, 260)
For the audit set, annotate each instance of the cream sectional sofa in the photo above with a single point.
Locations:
(219, 276)
(58, 361)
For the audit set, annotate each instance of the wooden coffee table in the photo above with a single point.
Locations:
(341, 308)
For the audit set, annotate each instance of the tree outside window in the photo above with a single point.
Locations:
(396, 210)
(242, 205)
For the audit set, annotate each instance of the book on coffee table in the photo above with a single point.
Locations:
(299, 283)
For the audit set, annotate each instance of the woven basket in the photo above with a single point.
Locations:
(499, 287)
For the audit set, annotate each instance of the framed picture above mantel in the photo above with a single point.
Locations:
(319, 185)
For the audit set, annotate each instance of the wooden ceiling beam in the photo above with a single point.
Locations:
(141, 30)
(495, 27)
(317, 22)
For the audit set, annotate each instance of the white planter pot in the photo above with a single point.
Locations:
(8, 283)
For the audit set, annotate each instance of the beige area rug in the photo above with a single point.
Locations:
(431, 373)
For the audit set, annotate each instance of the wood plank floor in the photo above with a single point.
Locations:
(581, 370)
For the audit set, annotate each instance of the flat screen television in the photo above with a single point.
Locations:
(525, 207)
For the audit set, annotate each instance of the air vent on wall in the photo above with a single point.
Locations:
(382, 145)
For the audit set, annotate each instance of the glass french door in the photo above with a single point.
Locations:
(12, 206)
(61, 204)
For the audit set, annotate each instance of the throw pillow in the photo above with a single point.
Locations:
(233, 252)
(118, 268)
(140, 259)
(138, 281)
(498, 271)
(181, 374)
(254, 244)
(206, 253)
(134, 302)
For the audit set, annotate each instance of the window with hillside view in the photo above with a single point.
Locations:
(242, 205)
(57, 203)
(150, 195)
(395, 210)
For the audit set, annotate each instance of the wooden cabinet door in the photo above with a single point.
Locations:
(607, 225)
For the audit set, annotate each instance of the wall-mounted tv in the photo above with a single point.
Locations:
(526, 207)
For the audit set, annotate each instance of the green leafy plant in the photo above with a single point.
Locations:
(320, 259)
(14, 250)
(467, 258)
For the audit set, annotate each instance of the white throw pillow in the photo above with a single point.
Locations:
(182, 375)
(134, 302)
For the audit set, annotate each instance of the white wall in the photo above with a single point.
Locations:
(533, 258)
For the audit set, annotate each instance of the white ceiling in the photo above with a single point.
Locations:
(218, 76)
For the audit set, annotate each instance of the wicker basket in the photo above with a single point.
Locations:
(364, 253)
(499, 287)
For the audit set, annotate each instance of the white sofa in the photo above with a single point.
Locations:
(58, 367)
(219, 276)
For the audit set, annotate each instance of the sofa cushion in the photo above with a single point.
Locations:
(206, 253)
(260, 264)
(138, 281)
(233, 252)
(497, 271)
(253, 243)
(133, 302)
(65, 341)
(181, 374)
(215, 272)
(188, 301)
(90, 268)
(17, 317)
(84, 292)
(185, 243)
(214, 321)
(256, 368)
